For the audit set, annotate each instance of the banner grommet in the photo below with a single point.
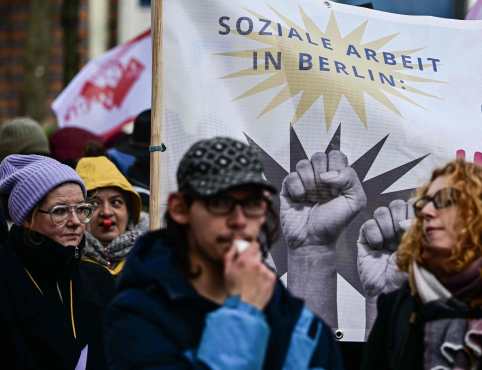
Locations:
(157, 148)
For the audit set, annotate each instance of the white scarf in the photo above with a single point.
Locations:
(428, 287)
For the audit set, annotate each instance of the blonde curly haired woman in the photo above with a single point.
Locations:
(434, 321)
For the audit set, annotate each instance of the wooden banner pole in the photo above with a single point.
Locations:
(157, 115)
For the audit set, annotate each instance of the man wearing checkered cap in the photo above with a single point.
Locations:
(198, 295)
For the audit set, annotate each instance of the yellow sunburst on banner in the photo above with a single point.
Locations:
(317, 64)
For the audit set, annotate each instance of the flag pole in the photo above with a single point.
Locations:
(157, 116)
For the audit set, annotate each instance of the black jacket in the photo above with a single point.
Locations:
(39, 317)
(396, 341)
(3, 222)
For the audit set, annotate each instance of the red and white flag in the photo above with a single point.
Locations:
(110, 90)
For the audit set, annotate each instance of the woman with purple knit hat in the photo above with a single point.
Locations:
(50, 312)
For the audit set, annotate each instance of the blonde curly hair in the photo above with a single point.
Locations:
(467, 178)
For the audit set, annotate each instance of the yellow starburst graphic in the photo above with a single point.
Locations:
(317, 64)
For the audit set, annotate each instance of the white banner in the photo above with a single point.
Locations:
(382, 98)
(109, 91)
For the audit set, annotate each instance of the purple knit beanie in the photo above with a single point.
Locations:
(27, 179)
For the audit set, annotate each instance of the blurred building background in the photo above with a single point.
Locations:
(44, 43)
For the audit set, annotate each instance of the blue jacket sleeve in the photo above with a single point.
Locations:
(312, 346)
(235, 337)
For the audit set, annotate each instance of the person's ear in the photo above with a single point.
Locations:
(28, 222)
(178, 208)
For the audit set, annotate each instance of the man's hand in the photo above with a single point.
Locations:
(247, 276)
(319, 200)
(377, 245)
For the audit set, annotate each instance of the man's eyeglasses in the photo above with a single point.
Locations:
(224, 205)
(443, 198)
(59, 214)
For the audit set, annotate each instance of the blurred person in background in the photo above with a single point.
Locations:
(117, 220)
(434, 321)
(69, 144)
(131, 155)
(51, 302)
(22, 135)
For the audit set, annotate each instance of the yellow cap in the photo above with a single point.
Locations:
(100, 172)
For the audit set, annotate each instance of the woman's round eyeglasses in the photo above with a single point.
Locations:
(60, 213)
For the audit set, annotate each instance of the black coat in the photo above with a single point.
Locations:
(3, 222)
(37, 324)
(396, 341)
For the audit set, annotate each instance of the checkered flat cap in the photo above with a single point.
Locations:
(218, 164)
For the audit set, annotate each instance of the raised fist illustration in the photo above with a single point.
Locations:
(317, 202)
(319, 199)
(377, 246)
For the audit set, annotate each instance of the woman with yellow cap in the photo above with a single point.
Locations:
(117, 220)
